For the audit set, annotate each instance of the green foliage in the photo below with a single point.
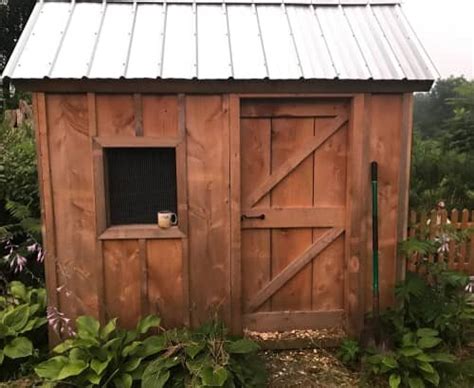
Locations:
(443, 162)
(349, 352)
(22, 314)
(103, 356)
(206, 358)
(414, 363)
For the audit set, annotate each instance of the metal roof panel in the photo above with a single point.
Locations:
(220, 39)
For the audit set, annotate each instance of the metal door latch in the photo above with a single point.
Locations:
(259, 217)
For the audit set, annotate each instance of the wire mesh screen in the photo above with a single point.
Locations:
(140, 182)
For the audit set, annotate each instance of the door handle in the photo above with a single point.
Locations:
(259, 217)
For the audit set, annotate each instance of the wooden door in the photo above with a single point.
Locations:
(293, 190)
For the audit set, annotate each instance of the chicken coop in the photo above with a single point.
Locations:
(254, 121)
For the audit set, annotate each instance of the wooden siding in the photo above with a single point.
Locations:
(189, 273)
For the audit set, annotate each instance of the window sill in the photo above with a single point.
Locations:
(145, 231)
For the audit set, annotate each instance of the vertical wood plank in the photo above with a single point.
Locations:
(122, 281)
(182, 182)
(92, 110)
(47, 209)
(385, 148)
(72, 185)
(463, 258)
(452, 259)
(208, 196)
(357, 211)
(235, 238)
(138, 107)
(296, 190)
(165, 277)
(404, 178)
(255, 138)
(160, 115)
(115, 114)
(142, 252)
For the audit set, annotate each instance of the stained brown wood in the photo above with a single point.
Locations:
(47, 210)
(286, 320)
(74, 218)
(165, 277)
(294, 217)
(122, 271)
(464, 244)
(138, 107)
(137, 231)
(290, 107)
(143, 254)
(161, 115)
(255, 162)
(356, 254)
(92, 110)
(294, 267)
(115, 115)
(121, 141)
(404, 177)
(294, 190)
(292, 162)
(208, 198)
(235, 233)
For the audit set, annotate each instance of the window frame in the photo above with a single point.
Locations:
(137, 231)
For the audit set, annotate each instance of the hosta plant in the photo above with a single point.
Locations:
(103, 356)
(22, 313)
(415, 362)
(207, 357)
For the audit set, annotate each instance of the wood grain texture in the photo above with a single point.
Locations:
(294, 267)
(138, 108)
(255, 159)
(165, 277)
(122, 271)
(74, 207)
(115, 114)
(291, 107)
(47, 209)
(385, 148)
(209, 211)
(137, 231)
(294, 190)
(235, 207)
(357, 202)
(160, 116)
(288, 320)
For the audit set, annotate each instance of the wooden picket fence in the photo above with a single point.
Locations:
(460, 255)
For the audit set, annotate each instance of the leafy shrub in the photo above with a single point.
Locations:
(206, 358)
(414, 362)
(102, 356)
(349, 352)
(22, 314)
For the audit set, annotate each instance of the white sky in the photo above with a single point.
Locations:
(446, 28)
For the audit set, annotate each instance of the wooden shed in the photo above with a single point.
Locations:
(255, 121)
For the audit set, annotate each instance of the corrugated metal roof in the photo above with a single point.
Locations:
(224, 39)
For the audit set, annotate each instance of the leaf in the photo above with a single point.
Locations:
(443, 357)
(87, 327)
(132, 348)
(18, 348)
(123, 381)
(51, 368)
(424, 357)
(34, 324)
(242, 346)
(152, 345)
(214, 377)
(157, 379)
(390, 362)
(194, 349)
(64, 346)
(17, 318)
(79, 354)
(99, 366)
(108, 329)
(408, 339)
(433, 378)
(410, 351)
(131, 364)
(93, 377)
(394, 380)
(429, 342)
(147, 323)
(18, 290)
(415, 382)
(72, 368)
(426, 332)
(426, 367)
(2, 356)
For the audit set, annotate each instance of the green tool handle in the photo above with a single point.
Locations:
(375, 237)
